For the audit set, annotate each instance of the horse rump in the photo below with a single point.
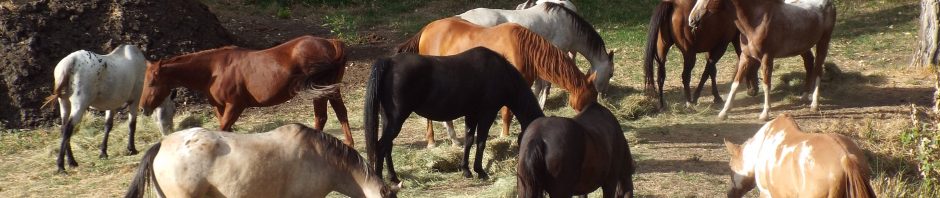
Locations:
(145, 174)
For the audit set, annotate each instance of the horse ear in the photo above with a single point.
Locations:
(590, 79)
(398, 187)
(733, 149)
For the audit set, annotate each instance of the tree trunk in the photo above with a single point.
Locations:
(926, 54)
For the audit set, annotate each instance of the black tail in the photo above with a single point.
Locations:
(531, 166)
(371, 115)
(411, 45)
(144, 175)
(661, 15)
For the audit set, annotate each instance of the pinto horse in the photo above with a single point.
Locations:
(473, 84)
(785, 162)
(109, 82)
(235, 78)
(575, 156)
(533, 56)
(776, 29)
(668, 28)
(290, 161)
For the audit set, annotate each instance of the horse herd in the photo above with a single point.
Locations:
(471, 66)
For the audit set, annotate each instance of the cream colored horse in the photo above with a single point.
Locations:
(785, 162)
(290, 161)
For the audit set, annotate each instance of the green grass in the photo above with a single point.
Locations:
(677, 149)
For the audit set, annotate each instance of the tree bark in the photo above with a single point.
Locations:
(926, 54)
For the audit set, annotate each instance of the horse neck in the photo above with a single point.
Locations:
(360, 184)
(551, 64)
(525, 107)
(194, 73)
(746, 10)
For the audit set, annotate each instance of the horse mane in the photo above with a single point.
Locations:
(594, 40)
(336, 152)
(549, 62)
(199, 53)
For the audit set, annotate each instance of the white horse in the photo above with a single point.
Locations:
(163, 114)
(290, 161)
(105, 82)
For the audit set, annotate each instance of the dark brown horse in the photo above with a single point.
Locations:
(575, 156)
(236, 78)
(668, 27)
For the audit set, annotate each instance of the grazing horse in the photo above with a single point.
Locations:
(532, 56)
(560, 26)
(575, 156)
(290, 161)
(785, 162)
(104, 82)
(668, 28)
(235, 78)
(776, 29)
(163, 115)
(473, 84)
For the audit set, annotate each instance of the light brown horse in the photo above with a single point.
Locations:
(235, 78)
(290, 161)
(668, 27)
(782, 161)
(776, 29)
(532, 55)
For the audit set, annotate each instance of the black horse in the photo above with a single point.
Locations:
(575, 156)
(473, 84)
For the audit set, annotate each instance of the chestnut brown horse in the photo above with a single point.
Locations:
(668, 28)
(236, 78)
(776, 29)
(575, 156)
(532, 56)
(783, 161)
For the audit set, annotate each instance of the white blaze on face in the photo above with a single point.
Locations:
(698, 10)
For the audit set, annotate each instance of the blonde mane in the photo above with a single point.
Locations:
(551, 63)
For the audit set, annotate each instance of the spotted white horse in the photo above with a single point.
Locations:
(109, 82)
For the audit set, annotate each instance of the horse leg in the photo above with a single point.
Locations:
(661, 73)
(743, 62)
(453, 134)
(430, 134)
(688, 64)
(132, 128)
(339, 108)
(711, 69)
(232, 111)
(64, 110)
(470, 124)
(767, 63)
(392, 126)
(75, 117)
(319, 113)
(483, 127)
(541, 91)
(808, 65)
(609, 190)
(108, 123)
(507, 122)
(822, 49)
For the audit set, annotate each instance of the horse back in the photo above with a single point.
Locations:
(607, 153)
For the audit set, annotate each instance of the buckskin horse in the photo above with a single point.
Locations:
(575, 156)
(782, 161)
(668, 27)
(109, 82)
(290, 161)
(473, 84)
(236, 78)
(776, 29)
(533, 56)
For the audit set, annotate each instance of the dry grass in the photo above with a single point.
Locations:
(678, 151)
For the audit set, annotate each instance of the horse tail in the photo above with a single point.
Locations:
(660, 16)
(856, 181)
(145, 174)
(531, 165)
(62, 75)
(411, 45)
(371, 111)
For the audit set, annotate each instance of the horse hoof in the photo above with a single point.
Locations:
(132, 152)
(73, 164)
(718, 101)
(763, 117)
(431, 145)
(814, 108)
(752, 92)
(722, 116)
(395, 180)
(483, 176)
(467, 174)
(61, 171)
(103, 156)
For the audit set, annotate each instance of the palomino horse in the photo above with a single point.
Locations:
(532, 56)
(560, 26)
(785, 162)
(575, 156)
(105, 82)
(776, 29)
(668, 27)
(235, 78)
(290, 161)
(473, 84)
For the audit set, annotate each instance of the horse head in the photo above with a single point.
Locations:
(604, 74)
(700, 10)
(156, 87)
(582, 98)
(742, 178)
